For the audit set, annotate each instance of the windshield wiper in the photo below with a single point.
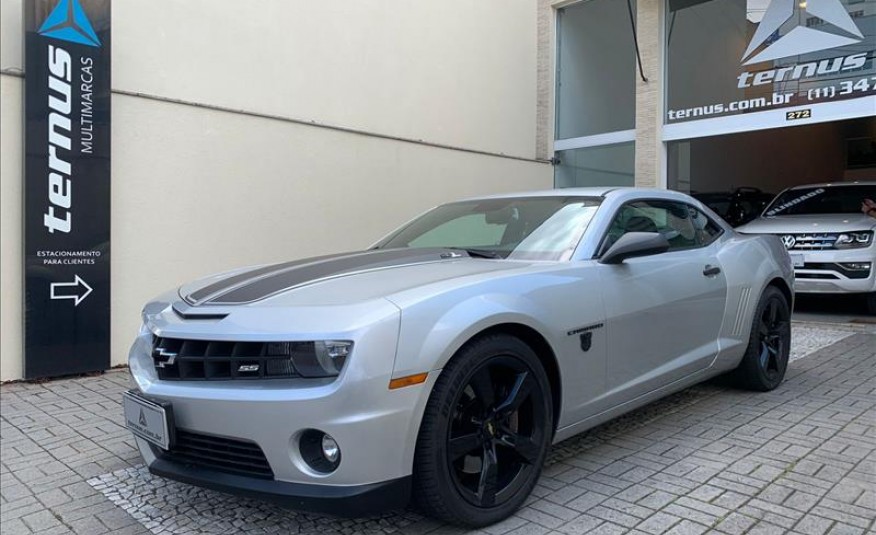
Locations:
(478, 253)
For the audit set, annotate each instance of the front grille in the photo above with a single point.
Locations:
(826, 276)
(823, 266)
(223, 454)
(809, 242)
(204, 360)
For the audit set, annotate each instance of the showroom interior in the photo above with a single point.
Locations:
(775, 159)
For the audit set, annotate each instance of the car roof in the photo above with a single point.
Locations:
(602, 191)
(559, 192)
(835, 184)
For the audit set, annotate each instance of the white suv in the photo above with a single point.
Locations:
(829, 238)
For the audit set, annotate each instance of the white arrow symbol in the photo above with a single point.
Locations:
(77, 282)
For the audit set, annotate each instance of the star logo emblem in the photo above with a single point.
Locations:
(801, 39)
(69, 22)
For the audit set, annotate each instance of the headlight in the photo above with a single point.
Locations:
(851, 240)
(323, 358)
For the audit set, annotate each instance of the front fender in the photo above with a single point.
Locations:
(433, 331)
(751, 263)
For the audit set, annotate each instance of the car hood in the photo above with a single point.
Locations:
(338, 279)
(808, 223)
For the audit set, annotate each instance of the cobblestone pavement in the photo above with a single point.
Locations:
(801, 459)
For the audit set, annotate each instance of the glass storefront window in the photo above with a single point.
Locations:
(737, 175)
(732, 57)
(606, 165)
(596, 69)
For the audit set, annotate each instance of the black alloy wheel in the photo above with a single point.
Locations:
(495, 432)
(485, 433)
(773, 357)
(766, 359)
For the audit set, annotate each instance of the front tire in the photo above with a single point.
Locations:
(485, 433)
(766, 359)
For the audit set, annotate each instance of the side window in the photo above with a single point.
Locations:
(679, 228)
(706, 229)
(682, 225)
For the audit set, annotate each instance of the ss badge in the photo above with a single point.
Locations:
(586, 340)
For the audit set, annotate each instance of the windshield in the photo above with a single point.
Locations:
(529, 228)
(821, 200)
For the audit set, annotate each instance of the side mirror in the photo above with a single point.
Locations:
(634, 244)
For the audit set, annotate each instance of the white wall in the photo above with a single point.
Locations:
(456, 71)
(212, 189)
(11, 152)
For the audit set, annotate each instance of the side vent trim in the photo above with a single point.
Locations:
(744, 299)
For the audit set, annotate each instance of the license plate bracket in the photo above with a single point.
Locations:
(798, 260)
(150, 419)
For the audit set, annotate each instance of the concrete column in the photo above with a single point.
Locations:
(546, 49)
(649, 95)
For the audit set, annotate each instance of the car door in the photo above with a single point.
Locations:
(663, 311)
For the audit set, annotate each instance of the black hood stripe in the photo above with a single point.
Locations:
(227, 284)
(285, 276)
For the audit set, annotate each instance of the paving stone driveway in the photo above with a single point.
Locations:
(801, 459)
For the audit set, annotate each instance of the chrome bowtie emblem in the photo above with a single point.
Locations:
(491, 429)
(169, 357)
(789, 241)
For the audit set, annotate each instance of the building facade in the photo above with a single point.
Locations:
(244, 135)
(252, 134)
(709, 95)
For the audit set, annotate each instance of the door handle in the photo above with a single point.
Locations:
(711, 271)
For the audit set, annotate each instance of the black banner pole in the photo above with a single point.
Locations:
(67, 187)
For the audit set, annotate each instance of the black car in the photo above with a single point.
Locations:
(737, 207)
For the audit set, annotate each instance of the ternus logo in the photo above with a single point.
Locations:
(801, 39)
(68, 22)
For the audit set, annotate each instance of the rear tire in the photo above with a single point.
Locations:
(870, 303)
(766, 359)
(485, 433)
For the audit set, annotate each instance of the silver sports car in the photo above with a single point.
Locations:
(443, 362)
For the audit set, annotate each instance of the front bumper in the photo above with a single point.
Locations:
(351, 501)
(376, 428)
(826, 272)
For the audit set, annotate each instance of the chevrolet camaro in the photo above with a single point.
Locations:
(441, 363)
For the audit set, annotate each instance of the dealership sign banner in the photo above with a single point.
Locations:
(779, 54)
(67, 187)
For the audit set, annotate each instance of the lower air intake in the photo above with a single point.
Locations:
(222, 454)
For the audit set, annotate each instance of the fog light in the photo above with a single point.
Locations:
(856, 266)
(330, 449)
(320, 451)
